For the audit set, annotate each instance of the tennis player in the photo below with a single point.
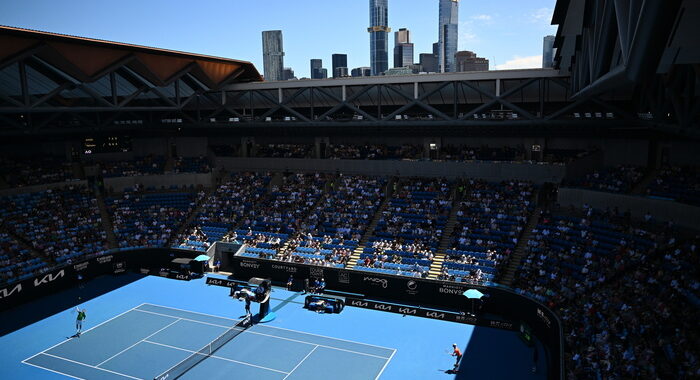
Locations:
(79, 320)
(457, 354)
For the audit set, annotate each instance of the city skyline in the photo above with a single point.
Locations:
(511, 39)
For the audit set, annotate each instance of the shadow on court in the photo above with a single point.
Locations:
(488, 357)
(34, 311)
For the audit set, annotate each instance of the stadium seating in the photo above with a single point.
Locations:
(619, 179)
(490, 219)
(226, 206)
(410, 229)
(17, 263)
(148, 219)
(61, 223)
(19, 172)
(681, 184)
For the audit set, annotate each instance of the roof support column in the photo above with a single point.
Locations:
(415, 90)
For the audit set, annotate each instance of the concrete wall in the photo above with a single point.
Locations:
(661, 210)
(163, 181)
(191, 146)
(39, 188)
(490, 171)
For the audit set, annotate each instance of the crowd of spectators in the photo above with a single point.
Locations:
(681, 184)
(191, 165)
(347, 207)
(626, 292)
(146, 165)
(286, 207)
(618, 179)
(16, 262)
(483, 153)
(20, 172)
(374, 152)
(62, 223)
(285, 150)
(223, 208)
(321, 251)
(144, 219)
(489, 221)
(409, 230)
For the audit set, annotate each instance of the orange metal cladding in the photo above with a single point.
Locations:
(92, 56)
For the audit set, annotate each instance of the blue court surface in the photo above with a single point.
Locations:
(142, 329)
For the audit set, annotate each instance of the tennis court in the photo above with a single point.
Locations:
(145, 341)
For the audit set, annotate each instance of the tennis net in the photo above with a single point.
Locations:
(186, 364)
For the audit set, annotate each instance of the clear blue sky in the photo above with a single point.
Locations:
(507, 32)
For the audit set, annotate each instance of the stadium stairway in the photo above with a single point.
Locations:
(369, 232)
(640, 187)
(190, 218)
(520, 250)
(446, 239)
(106, 220)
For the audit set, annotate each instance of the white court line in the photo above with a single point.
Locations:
(193, 312)
(329, 337)
(92, 366)
(91, 328)
(275, 327)
(54, 371)
(315, 344)
(214, 356)
(302, 360)
(385, 364)
(184, 319)
(128, 348)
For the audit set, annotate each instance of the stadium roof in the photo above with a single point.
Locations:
(88, 59)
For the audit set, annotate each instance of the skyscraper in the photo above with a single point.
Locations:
(379, 36)
(288, 74)
(316, 66)
(403, 48)
(273, 55)
(339, 61)
(548, 52)
(448, 20)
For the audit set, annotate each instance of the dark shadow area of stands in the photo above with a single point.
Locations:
(38, 309)
(498, 354)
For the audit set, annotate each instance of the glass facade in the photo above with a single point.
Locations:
(548, 52)
(403, 48)
(339, 61)
(448, 32)
(316, 66)
(273, 55)
(379, 36)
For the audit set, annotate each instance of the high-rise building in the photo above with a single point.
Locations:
(403, 48)
(361, 72)
(323, 74)
(379, 36)
(288, 74)
(468, 61)
(316, 66)
(448, 33)
(273, 55)
(548, 52)
(339, 60)
(428, 62)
